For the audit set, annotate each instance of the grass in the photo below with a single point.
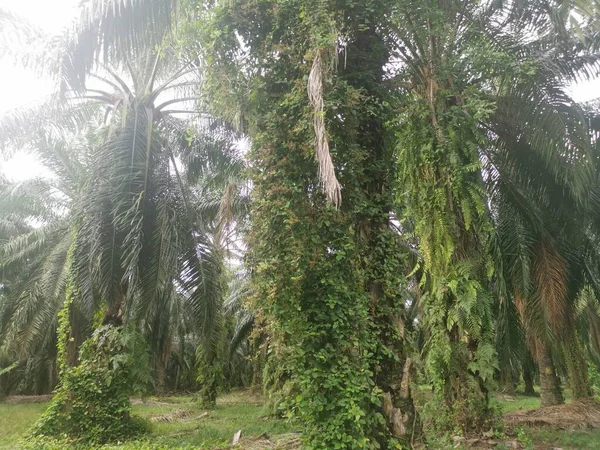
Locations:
(242, 411)
(15, 420)
(517, 403)
(237, 411)
(576, 440)
(523, 402)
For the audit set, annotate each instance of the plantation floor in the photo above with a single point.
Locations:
(178, 423)
(544, 437)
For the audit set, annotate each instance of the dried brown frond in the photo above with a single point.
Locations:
(331, 185)
(531, 337)
(288, 441)
(584, 413)
(551, 285)
(176, 414)
(28, 399)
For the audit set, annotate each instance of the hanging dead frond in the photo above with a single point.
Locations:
(331, 186)
(225, 215)
(531, 336)
(551, 277)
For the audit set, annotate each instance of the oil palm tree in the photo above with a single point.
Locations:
(541, 282)
(33, 248)
(146, 146)
(142, 245)
(540, 173)
(480, 88)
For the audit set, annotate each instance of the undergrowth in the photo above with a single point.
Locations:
(199, 431)
(91, 403)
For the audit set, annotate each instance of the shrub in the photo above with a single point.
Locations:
(91, 403)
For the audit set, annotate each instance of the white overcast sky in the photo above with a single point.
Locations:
(19, 87)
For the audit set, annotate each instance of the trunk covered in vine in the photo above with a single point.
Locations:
(382, 257)
(161, 363)
(329, 276)
(210, 370)
(438, 140)
(435, 148)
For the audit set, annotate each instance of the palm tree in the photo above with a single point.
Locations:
(485, 101)
(540, 171)
(141, 244)
(36, 220)
(113, 32)
(123, 35)
(218, 192)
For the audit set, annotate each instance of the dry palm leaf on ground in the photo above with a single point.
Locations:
(583, 413)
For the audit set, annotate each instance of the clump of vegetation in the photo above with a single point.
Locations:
(92, 402)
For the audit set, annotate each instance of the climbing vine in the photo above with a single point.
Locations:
(327, 269)
(64, 315)
(91, 403)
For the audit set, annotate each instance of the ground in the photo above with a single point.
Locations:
(544, 437)
(177, 422)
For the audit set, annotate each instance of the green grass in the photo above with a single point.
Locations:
(242, 411)
(15, 420)
(519, 402)
(238, 411)
(522, 402)
(567, 440)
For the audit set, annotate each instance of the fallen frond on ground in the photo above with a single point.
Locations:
(287, 441)
(138, 401)
(176, 414)
(580, 414)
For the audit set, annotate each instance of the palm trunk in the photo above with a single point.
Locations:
(162, 364)
(550, 389)
(209, 384)
(528, 375)
(113, 313)
(161, 376)
(395, 375)
(367, 55)
(507, 385)
(209, 376)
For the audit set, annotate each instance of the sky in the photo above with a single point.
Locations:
(19, 87)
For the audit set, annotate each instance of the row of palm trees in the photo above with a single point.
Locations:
(496, 166)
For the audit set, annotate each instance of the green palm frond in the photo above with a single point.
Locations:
(15, 33)
(112, 31)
